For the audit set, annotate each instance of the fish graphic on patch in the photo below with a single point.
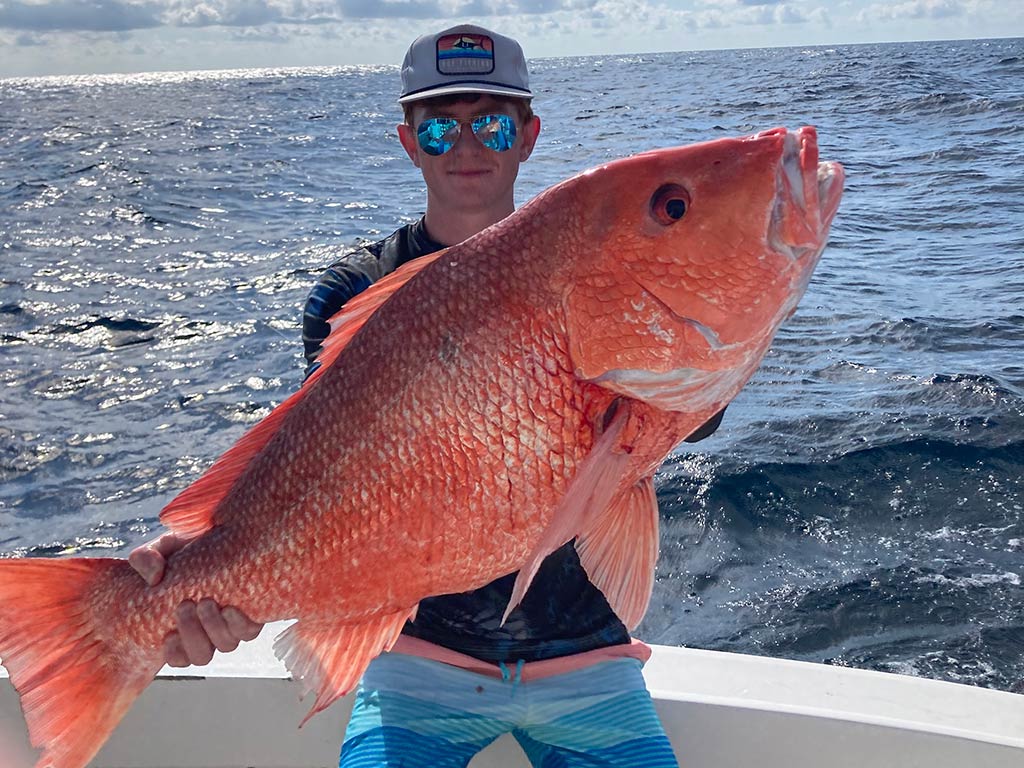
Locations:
(466, 41)
(465, 54)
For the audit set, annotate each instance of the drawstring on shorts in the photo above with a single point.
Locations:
(506, 673)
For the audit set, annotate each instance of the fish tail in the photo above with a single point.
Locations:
(74, 686)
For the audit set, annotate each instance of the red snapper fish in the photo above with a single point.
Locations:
(525, 384)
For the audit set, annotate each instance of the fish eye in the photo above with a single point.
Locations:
(669, 204)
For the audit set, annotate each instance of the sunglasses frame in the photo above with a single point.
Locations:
(436, 142)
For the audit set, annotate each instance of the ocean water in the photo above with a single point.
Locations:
(862, 503)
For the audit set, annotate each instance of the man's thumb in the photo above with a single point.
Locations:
(148, 563)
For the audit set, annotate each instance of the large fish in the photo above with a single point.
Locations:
(473, 412)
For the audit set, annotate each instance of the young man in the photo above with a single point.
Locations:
(562, 674)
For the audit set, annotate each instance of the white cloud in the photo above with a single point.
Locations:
(91, 15)
(114, 15)
(282, 21)
(58, 36)
(256, 13)
(28, 39)
(719, 14)
(268, 33)
(914, 9)
(243, 13)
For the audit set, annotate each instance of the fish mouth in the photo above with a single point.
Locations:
(807, 195)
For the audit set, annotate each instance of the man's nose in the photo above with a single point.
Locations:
(467, 141)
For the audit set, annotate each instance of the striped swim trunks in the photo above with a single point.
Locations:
(414, 712)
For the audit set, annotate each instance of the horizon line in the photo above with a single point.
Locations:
(242, 71)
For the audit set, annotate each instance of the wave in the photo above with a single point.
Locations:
(941, 104)
(116, 331)
(913, 477)
(900, 557)
(957, 339)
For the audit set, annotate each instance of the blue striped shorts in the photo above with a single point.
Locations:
(415, 712)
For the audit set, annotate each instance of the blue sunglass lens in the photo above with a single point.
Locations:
(439, 134)
(497, 132)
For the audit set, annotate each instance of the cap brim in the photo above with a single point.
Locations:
(447, 90)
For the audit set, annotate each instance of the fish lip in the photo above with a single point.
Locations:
(807, 195)
(830, 180)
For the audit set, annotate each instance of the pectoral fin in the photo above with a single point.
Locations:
(620, 551)
(598, 477)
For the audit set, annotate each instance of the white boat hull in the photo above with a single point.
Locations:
(720, 710)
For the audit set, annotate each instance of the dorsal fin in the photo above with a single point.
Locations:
(351, 317)
(191, 513)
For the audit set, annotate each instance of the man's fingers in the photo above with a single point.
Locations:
(203, 628)
(174, 652)
(148, 563)
(168, 544)
(240, 625)
(150, 560)
(196, 643)
(215, 626)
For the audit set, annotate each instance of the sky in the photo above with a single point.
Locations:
(60, 37)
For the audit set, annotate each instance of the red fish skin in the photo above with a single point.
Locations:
(460, 392)
(460, 395)
(434, 453)
(287, 542)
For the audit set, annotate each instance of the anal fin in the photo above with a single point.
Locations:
(329, 655)
(620, 550)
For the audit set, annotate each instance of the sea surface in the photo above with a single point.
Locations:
(862, 503)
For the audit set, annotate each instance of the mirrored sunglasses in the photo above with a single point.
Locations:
(438, 134)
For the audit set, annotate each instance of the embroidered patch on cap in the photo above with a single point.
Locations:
(465, 54)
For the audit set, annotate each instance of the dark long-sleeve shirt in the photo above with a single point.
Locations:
(563, 612)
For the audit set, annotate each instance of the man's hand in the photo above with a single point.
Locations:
(202, 627)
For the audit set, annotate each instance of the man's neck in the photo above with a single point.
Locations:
(449, 230)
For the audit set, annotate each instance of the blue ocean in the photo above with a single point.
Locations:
(861, 505)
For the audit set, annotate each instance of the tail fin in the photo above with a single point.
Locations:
(74, 686)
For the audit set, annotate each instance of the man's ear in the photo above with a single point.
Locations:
(530, 132)
(407, 136)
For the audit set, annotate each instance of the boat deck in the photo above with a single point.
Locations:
(720, 710)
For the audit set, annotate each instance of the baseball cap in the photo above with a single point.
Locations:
(464, 59)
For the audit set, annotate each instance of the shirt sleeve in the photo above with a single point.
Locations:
(347, 277)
